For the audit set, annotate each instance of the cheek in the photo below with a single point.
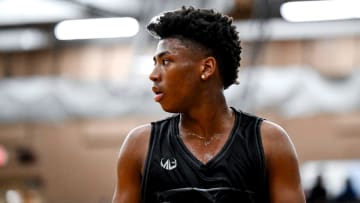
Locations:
(182, 80)
(178, 88)
(181, 92)
(184, 89)
(183, 83)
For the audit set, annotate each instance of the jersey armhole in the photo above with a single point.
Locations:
(148, 161)
(259, 122)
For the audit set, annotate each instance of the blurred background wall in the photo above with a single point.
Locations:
(66, 105)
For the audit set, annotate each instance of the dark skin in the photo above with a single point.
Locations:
(187, 81)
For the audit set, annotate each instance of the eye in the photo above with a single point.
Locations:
(165, 61)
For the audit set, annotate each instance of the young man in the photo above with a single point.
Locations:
(207, 151)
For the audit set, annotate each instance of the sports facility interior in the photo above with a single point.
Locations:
(72, 88)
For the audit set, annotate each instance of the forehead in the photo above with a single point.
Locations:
(171, 45)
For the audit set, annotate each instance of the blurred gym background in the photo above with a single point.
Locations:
(71, 90)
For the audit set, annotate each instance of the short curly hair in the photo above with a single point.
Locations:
(207, 27)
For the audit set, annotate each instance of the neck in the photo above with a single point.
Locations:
(209, 119)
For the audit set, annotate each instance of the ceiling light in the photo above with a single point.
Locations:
(37, 11)
(22, 39)
(305, 11)
(96, 28)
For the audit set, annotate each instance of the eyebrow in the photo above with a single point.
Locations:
(161, 54)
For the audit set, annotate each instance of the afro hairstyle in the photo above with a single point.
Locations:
(211, 29)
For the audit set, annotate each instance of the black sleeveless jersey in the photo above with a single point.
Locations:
(235, 175)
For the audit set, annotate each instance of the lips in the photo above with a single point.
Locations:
(158, 94)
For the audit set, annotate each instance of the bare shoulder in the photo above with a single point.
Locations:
(281, 164)
(130, 164)
(135, 144)
(276, 140)
(138, 135)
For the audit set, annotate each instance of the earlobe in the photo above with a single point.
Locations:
(208, 67)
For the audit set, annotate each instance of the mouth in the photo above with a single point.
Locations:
(158, 94)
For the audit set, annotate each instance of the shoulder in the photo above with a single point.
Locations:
(129, 164)
(141, 134)
(272, 130)
(137, 134)
(135, 145)
(281, 164)
(278, 148)
(136, 138)
(275, 139)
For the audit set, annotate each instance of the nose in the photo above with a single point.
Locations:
(155, 74)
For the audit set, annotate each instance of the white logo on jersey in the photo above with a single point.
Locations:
(168, 164)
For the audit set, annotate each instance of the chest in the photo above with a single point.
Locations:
(234, 162)
(203, 149)
(176, 163)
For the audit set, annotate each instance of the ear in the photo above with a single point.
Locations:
(208, 67)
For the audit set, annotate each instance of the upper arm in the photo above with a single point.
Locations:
(282, 165)
(129, 166)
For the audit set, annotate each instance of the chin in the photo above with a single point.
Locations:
(170, 109)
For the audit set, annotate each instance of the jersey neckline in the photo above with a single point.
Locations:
(218, 156)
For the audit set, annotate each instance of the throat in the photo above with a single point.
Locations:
(205, 141)
(204, 148)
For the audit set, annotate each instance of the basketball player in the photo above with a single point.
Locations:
(207, 151)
